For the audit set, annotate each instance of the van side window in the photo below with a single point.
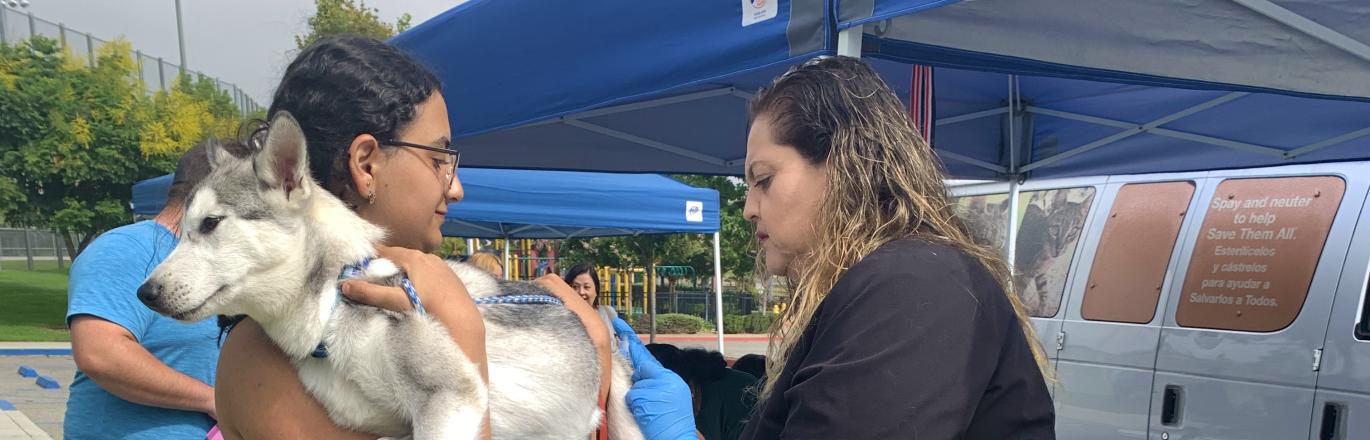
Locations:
(1134, 251)
(987, 218)
(1258, 247)
(1363, 327)
(1049, 226)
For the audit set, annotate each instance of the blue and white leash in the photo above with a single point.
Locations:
(353, 271)
(518, 299)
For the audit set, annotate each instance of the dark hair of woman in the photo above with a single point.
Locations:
(343, 86)
(581, 268)
(338, 88)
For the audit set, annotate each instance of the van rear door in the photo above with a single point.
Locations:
(1341, 408)
(1249, 307)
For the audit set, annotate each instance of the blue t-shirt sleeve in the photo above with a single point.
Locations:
(104, 282)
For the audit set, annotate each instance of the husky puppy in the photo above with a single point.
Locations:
(261, 238)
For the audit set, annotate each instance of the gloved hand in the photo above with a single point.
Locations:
(660, 399)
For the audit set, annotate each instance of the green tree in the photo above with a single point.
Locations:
(736, 239)
(69, 139)
(193, 110)
(72, 138)
(643, 251)
(451, 247)
(333, 17)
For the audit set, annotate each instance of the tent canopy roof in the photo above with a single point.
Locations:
(549, 204)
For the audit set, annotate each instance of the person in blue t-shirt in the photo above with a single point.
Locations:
(140, 375)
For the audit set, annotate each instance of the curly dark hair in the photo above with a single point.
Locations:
(341, 87)
(344, 86)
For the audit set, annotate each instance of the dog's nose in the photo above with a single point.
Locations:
(148, 292)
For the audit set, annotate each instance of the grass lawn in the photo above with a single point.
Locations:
(33, 305)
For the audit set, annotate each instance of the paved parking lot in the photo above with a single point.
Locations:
(39, 409)
(43, 408)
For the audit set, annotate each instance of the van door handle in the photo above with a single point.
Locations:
(1331, 422)
(1172, 405)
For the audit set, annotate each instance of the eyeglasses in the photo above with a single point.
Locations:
(447, 171)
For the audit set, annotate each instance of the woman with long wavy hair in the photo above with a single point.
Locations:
(898, 325)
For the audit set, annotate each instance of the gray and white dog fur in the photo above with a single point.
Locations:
(261, 238)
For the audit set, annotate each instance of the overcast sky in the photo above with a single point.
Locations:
(245, 42)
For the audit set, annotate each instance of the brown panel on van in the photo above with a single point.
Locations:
(1259, 245)
(1134, 252)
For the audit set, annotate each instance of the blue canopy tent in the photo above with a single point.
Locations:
(1219, 85)
(149, 196)
(1022, 88)
(565, 204)
(514, 204)
(535, 84)
(517, 204)
(1034, 88)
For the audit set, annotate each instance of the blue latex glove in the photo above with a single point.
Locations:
(660, 400)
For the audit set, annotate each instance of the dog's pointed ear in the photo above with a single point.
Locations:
(282, 163)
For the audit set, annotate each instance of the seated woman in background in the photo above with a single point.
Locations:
(583, 280)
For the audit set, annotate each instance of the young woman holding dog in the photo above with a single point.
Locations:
(378, 138)
(898, 326)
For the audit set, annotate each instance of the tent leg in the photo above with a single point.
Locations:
(506, 258)
(1012, 246)
(849, 42)
(718, 292)
(649, 289)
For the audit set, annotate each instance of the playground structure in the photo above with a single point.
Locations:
(627, 290)
(524, 259)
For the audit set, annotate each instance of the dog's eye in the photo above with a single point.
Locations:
(209, 223)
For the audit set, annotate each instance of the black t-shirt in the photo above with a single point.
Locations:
(916, 341)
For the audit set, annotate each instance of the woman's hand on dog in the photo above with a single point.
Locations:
(433, 280)
(443, 295)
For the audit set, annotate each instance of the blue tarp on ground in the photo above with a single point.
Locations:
(549, 204)
(612, 86)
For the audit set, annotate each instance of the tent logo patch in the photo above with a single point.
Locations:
(694, 211)
(756, 11)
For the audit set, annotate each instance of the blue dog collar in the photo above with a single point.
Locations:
(353, 271)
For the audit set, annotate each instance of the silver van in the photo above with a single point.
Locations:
(1210, 305)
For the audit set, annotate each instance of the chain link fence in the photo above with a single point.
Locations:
(157, 74)
(32, 249)
(688, 302)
